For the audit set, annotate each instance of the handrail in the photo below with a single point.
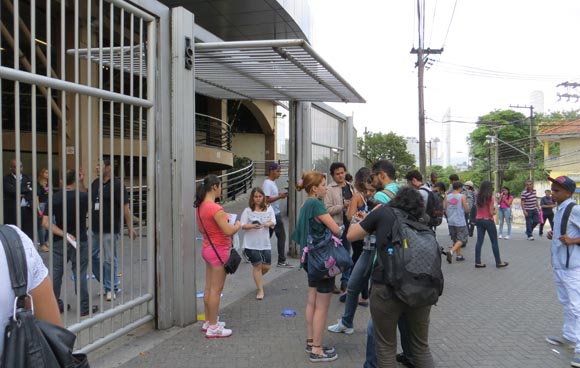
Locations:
(213, 132)
(235, 182)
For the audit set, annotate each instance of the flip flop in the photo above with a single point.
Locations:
(480, 265)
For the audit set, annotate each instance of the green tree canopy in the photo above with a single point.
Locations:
(379, 146)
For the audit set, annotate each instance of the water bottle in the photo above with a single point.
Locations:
(373, 240)
(390, 271)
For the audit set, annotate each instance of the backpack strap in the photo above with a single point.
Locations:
(388, 193)
(564, 227)
(16, 259)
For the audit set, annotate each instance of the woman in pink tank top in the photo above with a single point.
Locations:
(484, 222)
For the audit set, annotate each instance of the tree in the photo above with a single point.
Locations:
(379, 146)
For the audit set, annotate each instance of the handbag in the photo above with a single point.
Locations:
(327, 257)
(234, 260)
(29, 342)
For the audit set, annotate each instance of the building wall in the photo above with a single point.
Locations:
(249, 145)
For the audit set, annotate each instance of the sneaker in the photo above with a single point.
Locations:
(325, 349)
(507, 237)
(576, 360)
(324, 357)
(94, 309)
(339, 327)
(560, 341)
(460, 258)
(402, 358)
(218, 332)
(449, 256)
(342, 298)
(205, 325)
(285, 264)
(500, 236)
(530, 238)
(43, 248)
(110, 296)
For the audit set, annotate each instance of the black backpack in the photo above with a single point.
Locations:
(411, 263)
(434, 208)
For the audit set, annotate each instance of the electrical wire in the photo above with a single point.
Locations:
(449, 26)
(489, 73)
(433, 21)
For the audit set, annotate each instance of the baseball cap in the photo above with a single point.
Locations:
(274, 166)
(565, 182)
(469, 183)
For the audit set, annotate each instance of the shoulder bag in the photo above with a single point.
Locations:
(231, 266)
(29, 342)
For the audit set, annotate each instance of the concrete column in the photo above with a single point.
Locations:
(349, 145)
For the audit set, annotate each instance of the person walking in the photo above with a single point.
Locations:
(42, 189)
(505, 212)
(531, 209)
(547, 205)
(217, 233)
(358, 281)
(485, 210)
(11, 203)
(313, 221)
(256, 220)
(71, 221)
(455, 206)
(273, 196)
(565, 237)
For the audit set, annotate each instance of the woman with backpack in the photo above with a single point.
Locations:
(485, 210)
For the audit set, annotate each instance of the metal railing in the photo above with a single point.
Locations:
(211, 131)
(261, 167)
(235, 182)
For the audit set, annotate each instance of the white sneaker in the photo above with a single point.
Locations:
(218, 332)
(205, 325)
(339, 327)
(530, 238)
(110, 296)
(500, 236)
(507, 237)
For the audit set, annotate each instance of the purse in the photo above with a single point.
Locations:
(29, 342)
(234, 260)
(326, 257)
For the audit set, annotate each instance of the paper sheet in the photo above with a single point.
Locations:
(233, 218)
(71, 241)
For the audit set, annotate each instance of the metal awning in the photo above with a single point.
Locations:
(268, 70)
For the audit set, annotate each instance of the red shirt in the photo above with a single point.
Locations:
(206, 213)
(483, 212)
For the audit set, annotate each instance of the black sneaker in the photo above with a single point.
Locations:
(402, 358)
(285, 264)
(324, 357)
(94, 309)
(325, 349)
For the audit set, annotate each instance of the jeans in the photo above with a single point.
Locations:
(386, 310)
(568, 285)
(505, 214)
(356, 284)
(281, 238)
(107, 255)
(483, 226)
(346, 244)
(547, 218)
(371, 354)
(58, 265)
(532, 219)
(42, 232)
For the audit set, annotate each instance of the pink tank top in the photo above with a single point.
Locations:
(483, 212)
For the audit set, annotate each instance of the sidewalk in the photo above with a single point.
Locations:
(486, 318)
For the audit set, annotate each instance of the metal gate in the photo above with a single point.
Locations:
(78, 92)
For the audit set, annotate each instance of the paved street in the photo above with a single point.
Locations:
(486, 318)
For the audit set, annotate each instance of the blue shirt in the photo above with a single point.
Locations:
(383, 197)
(559, 254)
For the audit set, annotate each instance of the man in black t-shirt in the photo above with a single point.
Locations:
(11, 203)
(110, 204)
(75, 225)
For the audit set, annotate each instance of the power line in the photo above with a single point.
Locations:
(449, 26)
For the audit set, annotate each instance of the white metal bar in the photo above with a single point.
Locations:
(65, 86)
(132, 9)
(151, 114)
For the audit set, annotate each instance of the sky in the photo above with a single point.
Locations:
(496, 53)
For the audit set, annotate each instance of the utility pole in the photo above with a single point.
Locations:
(421, 52)
(532, 137)
(497, 181)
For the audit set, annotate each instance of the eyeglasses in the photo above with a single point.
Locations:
(372, 176)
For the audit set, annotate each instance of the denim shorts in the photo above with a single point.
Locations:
(257, 257)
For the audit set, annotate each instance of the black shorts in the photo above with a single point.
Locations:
(323, 286)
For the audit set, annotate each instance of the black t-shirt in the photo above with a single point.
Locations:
(380, 221)
(71, 216)
(42, 192)
(102, 203)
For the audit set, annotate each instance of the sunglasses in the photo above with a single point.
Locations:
(372, 177)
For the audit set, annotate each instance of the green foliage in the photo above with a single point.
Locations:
(322, 165)
(240, 162)
(379, 146)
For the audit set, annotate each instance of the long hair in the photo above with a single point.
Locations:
(309, 180)
(205, 186)
(40, 172)
(251, 202)
(508, 190)
(409, 200)
(485, 193)
(361, 178)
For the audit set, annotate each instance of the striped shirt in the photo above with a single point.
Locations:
(529, 200)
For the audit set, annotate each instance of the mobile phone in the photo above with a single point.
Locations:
(256, 222)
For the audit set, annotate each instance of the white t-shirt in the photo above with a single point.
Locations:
(271, 190)
(258, 239)
(37, 272)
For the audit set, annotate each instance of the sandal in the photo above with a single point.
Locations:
(501, 265)
(480, 265)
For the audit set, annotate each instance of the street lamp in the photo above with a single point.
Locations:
(495, 139)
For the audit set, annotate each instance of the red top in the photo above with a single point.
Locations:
(206, 213)
(483, 212)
